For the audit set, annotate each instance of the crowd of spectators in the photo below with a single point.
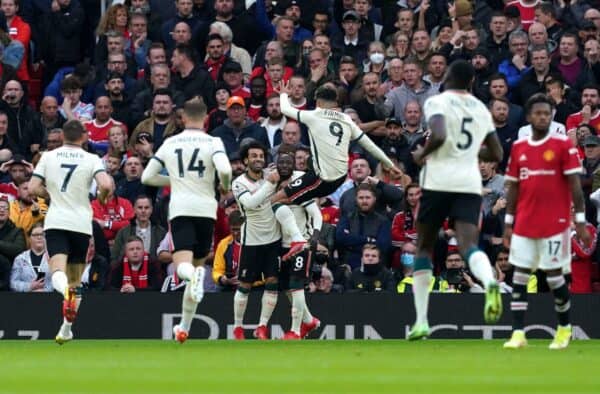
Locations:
(126, 73)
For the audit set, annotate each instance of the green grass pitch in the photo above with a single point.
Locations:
(432, 366)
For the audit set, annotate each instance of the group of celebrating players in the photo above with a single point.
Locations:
(282, 218)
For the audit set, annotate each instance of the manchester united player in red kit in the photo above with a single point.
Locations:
(542, 179)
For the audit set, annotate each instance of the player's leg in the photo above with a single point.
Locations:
(423, 271)
(433, 210)
(555, 254)
(270, 269)
(185, 271)
(287, 221)
(524, 256)
(297, 271)
(60, 283)
(247, 275)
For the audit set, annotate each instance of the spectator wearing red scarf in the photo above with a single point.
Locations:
(215, 55)
(136, 272)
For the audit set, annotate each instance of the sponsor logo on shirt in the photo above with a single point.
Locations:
(525, 173)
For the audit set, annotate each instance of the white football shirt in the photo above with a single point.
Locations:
(260, 226)
(188, 158)
(300, 215)
(454, 166)
(68, 173)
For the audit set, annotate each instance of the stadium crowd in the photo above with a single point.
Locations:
(127, 72)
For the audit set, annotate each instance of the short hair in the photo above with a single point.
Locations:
(113, 75)
(325, 93)
(461, 73)
(235, 218)
(138, 15)
(159, 65)
(347, 60)
(517, 34)
(276, 60)
(73, 130)
(186, 50)
(214, 37)
(497, 76)
(547, 8)
(538, 98)
(321, 35)
(284, 18)
(224, 31)
(251, 144)
(195, 109)
(537, 48)
(569, 34)
(497, 14)
(70, 83)
(156, 45)
(315, 50)
(367, 187)
(413, 60)
(162, 92)
(142, 197)
(501, 99)
(371, 247)
(133, 238)
(591, 86)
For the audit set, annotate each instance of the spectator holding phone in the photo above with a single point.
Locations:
(30, 268)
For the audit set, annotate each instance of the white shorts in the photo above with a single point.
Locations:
(544, 253)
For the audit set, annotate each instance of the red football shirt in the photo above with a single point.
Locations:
(541, 168)
(527, 12)
(575, 119)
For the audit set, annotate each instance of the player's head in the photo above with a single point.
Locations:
(326, 97)
(286, 161)
(460, 75)
(254, 155)
(194, 112)
(539, 113)
(73, 132)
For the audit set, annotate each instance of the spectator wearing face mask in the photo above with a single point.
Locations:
(407, 259)
(372, 275)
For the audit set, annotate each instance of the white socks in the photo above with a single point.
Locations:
(269, 301)
(185, 271)
(286, 219)
(188, 308)
(60, 282)
(298, 308)
(65, 329)
(480, 266)
(240, 302)
(421, 281)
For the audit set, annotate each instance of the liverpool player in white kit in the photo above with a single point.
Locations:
(452, 186)
(331, 133)
(192, 159)
(542, 179)
(68, 173)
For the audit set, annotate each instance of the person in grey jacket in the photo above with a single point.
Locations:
(30, 269)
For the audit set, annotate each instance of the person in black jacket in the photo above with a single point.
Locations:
(533, 81)
(12, 242)
(24, 127)
(372, 275)
(237, 127)
(62, 32)
(190, 77)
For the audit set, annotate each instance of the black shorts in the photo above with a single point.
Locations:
(73, 244)
(436, 206)
(259, 259)
(192, 234)
(310, 186)
(296, 268)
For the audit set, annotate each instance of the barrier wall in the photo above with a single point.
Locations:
(344, 316)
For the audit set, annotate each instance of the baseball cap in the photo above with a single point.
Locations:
(232, 67)
(235, 100)
(350, 15)
(591, 140)
(393, 121)
(18, 159)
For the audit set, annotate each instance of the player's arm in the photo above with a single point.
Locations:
(287, 109)
(579, 203)
(223, 168)
(151, 175)
(363, 140)
(492, 151)
(437, 126)
(251, 201)
(105, 184)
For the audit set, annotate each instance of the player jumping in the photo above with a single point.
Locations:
(330, 132)
(542, 179)
(192, 159)
(68, 173)
(451, 184)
